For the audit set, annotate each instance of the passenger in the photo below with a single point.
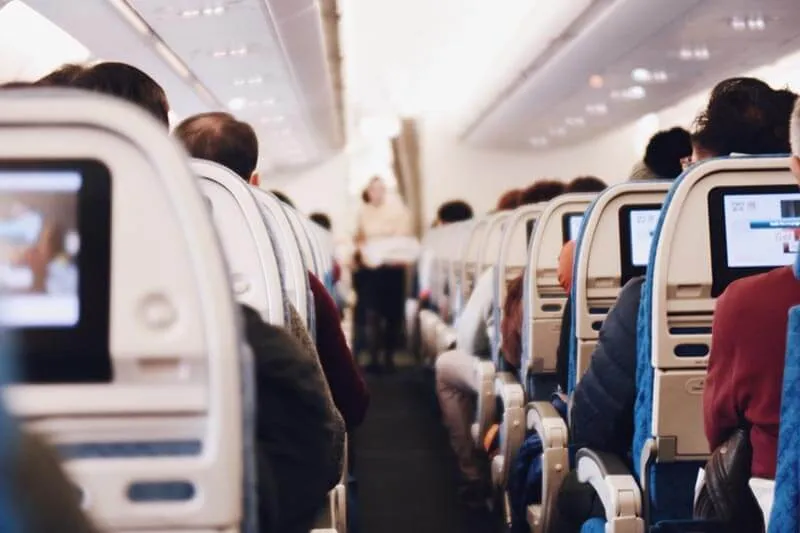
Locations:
(299, 432)
(601, 415)
(668, 153)
(321, 219)
(748, 344)
(63, 76)
(126, 82)
(455, 379)
(219, 137)
(583, 184)
(384, 291)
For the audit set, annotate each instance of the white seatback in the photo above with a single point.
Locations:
(471, 254)
(302, 238)
(511, 261)
(168, 428)
(256, 276)
(544, 297)
(453, 267)
(599, 259)
(493, 240)
(682, 304)
(290, 258)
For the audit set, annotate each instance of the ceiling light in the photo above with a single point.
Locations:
(575, 122)
(558, 132)
(239, 51)
(699, 53)
(597, 109)
(233, 52)
(255, 80)
(738, 24)
(756, 24)
(660, 76)
(237, 104)
(219, 53)
(637, 92)
(207, 12)
(538, 142)
(190, 13)
(641, 75)
(596, 81)
(239, 82)
(277, 119)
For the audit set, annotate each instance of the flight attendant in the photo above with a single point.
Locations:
(382, 220)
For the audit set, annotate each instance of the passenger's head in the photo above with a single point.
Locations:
(375, 192)
(454, 211)
(219, 137)
(743, 115)
(586, 184)
(509, 200)
(126, 82)
(542, 191)
(794, 135)
(667, 152)
(282, 197)
(63, 76)
(321, 219)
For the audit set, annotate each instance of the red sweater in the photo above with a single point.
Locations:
(341, 370)
(745, 369)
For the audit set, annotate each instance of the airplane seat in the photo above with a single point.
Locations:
(470, 259)
(611, 249)
(703, 217)
(309, 261)
(252, 258)
(158, 416)
(289, 256)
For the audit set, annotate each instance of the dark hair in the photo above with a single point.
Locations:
(63, 76)
(586, 184)
(454, 211)
(542, 191)
(665, 151)
(282, 197)
(219, 137)
(321, 219)
(509, 200)
(126, 82)
(745, 115)
(17, 85)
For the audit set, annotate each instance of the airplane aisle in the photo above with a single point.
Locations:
(405, 468)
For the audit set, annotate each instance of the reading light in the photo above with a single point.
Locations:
(637, 92)
(596, 109)
(538, 142)
(738, 24)
(206, 12)
(660, 76)
(756, 24)
(190, 13)
(237, 104)
(575, 122)
(641, 75)
(700, 53)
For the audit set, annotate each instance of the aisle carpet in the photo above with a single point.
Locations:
(406, 473)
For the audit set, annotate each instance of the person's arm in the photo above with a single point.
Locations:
(602, 403)
(341, 370)
(299, 432)
(719, 394)
(565, 261)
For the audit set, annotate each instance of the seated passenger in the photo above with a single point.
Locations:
(748, 342)
(219, 137)
(666, 155)
(455, 384)
(583, 184)
(299, 431)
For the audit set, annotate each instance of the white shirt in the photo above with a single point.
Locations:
(475, 326)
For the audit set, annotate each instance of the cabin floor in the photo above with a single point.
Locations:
(406, 472)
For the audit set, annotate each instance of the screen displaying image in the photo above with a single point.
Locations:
(39, 246)
(642, 226)
(574, 226)
(761, 230)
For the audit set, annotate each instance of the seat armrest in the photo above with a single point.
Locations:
(612, 481)
(509, 390)
(543, 418)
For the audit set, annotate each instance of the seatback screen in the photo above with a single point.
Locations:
(55, 227)
(753, 229)
(571, 225)
(637, 225)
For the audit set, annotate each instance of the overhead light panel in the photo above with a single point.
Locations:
(597, 109)
(699, 53)
(575, 122)
(538, 142)
(238, 52)
(753, 23)
(637, 92)
(206, 12)
(643, 75)
(237, 104)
